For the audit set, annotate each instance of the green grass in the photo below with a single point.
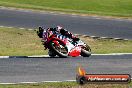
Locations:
(19, 42)
(65, 85)
(100, 7)
(42, 85)
(24, 42)
(109, 45)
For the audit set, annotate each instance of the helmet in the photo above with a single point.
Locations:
(59, 27)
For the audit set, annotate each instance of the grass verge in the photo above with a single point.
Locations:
(104, 46)
(120, 8)
(18, 42)
(66, 85)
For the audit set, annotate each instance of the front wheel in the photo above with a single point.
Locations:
(60, 50)
(86, 51)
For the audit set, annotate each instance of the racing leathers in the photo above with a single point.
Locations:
(57, 30)
(63, 32)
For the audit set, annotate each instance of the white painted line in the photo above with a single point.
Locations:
(84, 35)
(11, 8)
(7, 83)
(27, 82)
(70, 80)
(103, 54)
(74, 14)
(38, 56)
(39, 82)
(21, 28)
(61, 81)
(117, 38)
(43, 12)
(2, 7)
(4, 56)
(62, 13)
(9, 27)
(52, 12)
(113, 54)
(1, 26)
(51, 81)
(30, 29)
(125, 39)
(92, 36)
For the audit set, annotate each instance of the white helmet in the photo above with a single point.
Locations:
(59, 27)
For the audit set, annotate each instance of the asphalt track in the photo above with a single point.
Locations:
(92, 26)
(59, 69)
(14, 70)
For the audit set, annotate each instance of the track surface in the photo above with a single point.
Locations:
(14, 70)
(91, 26)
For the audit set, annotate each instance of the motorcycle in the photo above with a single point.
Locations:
(64, 47)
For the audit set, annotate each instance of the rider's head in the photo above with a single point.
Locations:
(59, 27)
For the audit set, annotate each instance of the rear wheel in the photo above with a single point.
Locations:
(60, 50)
(86, 51)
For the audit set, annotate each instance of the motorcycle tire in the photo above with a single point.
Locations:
(86, 51)
(60, 54)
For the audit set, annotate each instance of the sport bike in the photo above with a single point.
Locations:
(62, 46)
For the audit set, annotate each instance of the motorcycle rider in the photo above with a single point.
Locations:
(60, 31)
